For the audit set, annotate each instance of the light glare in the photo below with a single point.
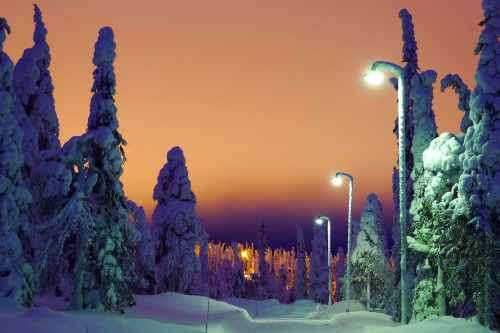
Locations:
(336, 181)
(373, 77)
(319, 221)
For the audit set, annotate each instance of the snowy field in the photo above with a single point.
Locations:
(171, 312)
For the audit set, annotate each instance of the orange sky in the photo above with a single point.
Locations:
(265, 97)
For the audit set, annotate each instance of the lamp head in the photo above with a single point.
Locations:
(373, 77)
(321, 218)
(336, 180)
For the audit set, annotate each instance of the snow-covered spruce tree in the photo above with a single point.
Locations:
(34, 107)
(201, 283)
(175, 226)
(144, 256)
(205, 269)
(409, 71)
(281, 283)
(424, 132)
(339, 270)
(16, 275)
(301, 275)
(238, 274)
(264, 283)
(454, 81)
(223, 280)
(479, 185)
(420, 129)
(318, 272)
(35, 112)
(371, 270)
(112, 250)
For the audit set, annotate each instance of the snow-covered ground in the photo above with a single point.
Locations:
(171, 312)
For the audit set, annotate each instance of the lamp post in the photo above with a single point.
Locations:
(319, 220)
(336, 181)
(371, 77)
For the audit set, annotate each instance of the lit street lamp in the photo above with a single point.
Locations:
(371, 78)
(319, 220)
(337, 181)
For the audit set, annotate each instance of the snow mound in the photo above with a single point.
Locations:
(435, 324)
(273, 309)
(337, 309)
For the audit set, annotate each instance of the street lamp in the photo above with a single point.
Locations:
(398, 71)
(337, 181)
(319, 220)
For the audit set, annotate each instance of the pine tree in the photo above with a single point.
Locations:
(478, 193)
(176, 228)
(301, 276)
(16, 275)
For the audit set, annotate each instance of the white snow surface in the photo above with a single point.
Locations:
(172, 312)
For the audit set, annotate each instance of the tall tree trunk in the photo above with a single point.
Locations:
(440, 290)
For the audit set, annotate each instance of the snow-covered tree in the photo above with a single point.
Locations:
(201, 284)
(420, 129)
(301, 275)
(16, 275)
(281, 283)
(176, 228)
(371, 270)
(35, 112)
(454, 81)
(339, 269)
(224, 280)
(238, 274)
(318, 273)
(264, 283)
(112, 250)
(479, 185)
(144, 256)
(424, 131)
(34, 107)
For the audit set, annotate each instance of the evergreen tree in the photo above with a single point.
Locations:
(301, 275)
(339, 269)
(112, 250)
(238, 274)
(35, 112)
(176, 228)
(425, 128)
(454, 81)
(144, 256)
(16, 275)
(34, 107)
(264, 285)
(371, 270)
(318, 273)
(223, 280)
(479, 189)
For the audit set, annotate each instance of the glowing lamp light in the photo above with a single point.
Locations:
(319, 220)
(336, 181)
(373, 77)
(244, 254)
